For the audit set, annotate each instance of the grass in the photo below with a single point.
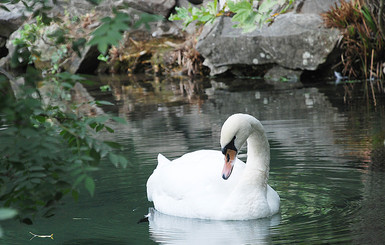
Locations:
(363, 51)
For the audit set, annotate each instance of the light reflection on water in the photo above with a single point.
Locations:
(175, 230)
(320, 166)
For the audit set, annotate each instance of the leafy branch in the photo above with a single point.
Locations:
(110, 32)
(242, 12)
(48, 147)
(201, 15)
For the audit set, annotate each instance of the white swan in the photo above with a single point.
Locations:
(197, 185)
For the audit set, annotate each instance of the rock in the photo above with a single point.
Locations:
(81, 7)
(293, 41)
(282, 78)
(10, 21)
(80, 96)
(10, 48)
(315, 6)
(87, 63)
(161, 7)
(3, 48)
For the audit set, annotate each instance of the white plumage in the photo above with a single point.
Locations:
(192, 185)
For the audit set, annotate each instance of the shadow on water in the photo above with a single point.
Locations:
(326, 164)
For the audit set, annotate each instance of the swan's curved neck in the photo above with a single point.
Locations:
(258, 158)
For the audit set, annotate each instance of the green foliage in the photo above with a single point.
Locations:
(145, 19)
(105, 88)
(49, 144)
(201, 15)
(29, 51)
(25, 43)
(244, 14)
(37, 7)
(109, 33)
(48, 148)
(103, 58)
(248, 19)
(362, 42)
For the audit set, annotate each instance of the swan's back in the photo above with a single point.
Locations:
(191, 186)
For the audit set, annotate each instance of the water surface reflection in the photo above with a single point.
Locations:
(321, 166)
(175, 230)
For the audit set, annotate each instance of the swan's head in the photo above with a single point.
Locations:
(235, 131)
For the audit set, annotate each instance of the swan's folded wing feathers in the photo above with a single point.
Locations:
(162, 160)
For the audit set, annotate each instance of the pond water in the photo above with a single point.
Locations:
(327, 164)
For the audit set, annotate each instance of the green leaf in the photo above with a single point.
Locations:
(113, 144)
(95, 2)
(104, 58)
(40, 119)
(103, 102)
(7, 213)
(99, 127)
(117, 160)
(181, 14)
(368, 18)
(119, 120)
(110, 130)
(78, 44)
(58, 35)
(36, 181)
(114, 159)
(36, 168)
(75, 195)
(89, 183)
(145, 19)
(79, 179)
(69, 77)
(4, 8)
(37, 175)
(105, 88)
(123, 161)
(109, 33)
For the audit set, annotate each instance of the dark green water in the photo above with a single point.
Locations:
(326, 164)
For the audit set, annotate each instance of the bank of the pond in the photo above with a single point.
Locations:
(294, 44)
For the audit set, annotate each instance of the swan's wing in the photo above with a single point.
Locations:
(155, 176)
(162, 160)
(191, 183)
(273, 200)
(181, 177)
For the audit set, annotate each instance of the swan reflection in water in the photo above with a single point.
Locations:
(176, 230)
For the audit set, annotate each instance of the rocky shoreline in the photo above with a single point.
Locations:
(295, 43)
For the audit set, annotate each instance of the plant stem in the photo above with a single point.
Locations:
(371, 78)
(380, 19)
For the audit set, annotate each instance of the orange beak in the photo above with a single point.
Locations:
(229, 163)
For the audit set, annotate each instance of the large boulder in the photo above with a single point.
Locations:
(296, 40)
(161, 7)
(12, 19)
(88, 62)
(9, 22)
(81, 7)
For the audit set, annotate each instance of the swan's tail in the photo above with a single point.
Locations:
(154, 178)
(162, 160)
